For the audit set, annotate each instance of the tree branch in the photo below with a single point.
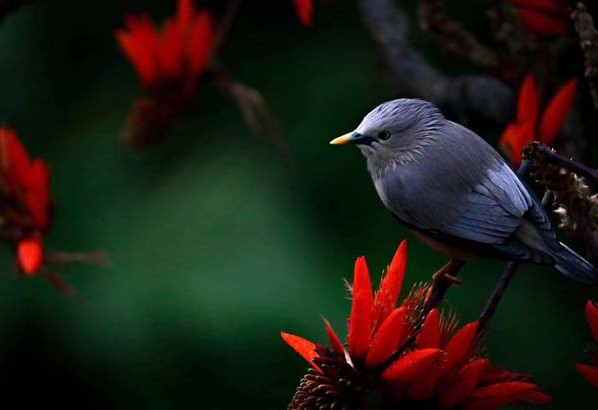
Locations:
(433, 18)
(496, 296)
(463, 96)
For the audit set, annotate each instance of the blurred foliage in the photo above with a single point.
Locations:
(218, 242)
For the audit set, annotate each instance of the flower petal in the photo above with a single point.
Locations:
(139, 44)
(171, 50)
(390, 286)
(494, 374)
(305, 11)
(556, 112)
(514, 138)
(15, 161)
(592, 317)
(429, 336)
(185, 12)
(304, 347)
(360, 321)
(500, 394)
(201, 42)
(412, 365)
(335, 342)
(589, 373)
(537, 398)
(460, 345)
(37, 197)
(543, 25)
(462, 384)
(527, 106)
(387, 338)
(30, 255)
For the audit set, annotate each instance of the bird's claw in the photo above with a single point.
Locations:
(444, 276)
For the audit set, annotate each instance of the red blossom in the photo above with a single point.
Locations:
(523, 131)
(30, 255)
(544, 18)
(556, 111)
(590, 372)
(442, 366)
(305, 11)
(26, 199)
(173, 57)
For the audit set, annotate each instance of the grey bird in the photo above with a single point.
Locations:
(455, 192)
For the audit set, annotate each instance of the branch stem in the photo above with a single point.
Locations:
(536, 149)
(496, 296)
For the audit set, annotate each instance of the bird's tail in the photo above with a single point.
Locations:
(574, 266)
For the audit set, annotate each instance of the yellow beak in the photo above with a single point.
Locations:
(343, 139)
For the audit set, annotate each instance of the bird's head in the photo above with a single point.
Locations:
(395, 132)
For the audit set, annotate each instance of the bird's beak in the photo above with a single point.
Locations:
(353, 138)
(344, 139)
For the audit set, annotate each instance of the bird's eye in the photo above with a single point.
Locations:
(384, 135)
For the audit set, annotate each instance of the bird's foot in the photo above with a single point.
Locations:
(444, 274)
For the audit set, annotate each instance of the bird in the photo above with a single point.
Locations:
(455, 192)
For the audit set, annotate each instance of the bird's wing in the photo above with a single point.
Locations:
(494, 209)
(469, 193)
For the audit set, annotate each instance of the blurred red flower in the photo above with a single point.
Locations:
(590, 372)
(26, 200)
(305, 11)
(544, 18)
(169, 61)
(523, 131)
(441, 367)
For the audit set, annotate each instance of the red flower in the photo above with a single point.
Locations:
(305, 11)
(590, 372)
(173, 58)
(30, 254)
(523, 131)
(441, 367)
(26, 200)
(545, 18)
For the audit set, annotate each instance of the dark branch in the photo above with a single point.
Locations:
(536, 151)
(588, 40)
(433, 17)
(496, 296)
(463, 96)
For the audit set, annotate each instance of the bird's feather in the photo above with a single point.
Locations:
(481, 202)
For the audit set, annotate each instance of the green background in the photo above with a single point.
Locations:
(217, 241)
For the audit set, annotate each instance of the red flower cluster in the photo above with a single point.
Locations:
(169, 64)
(25, 188)
(529, 126)
(170, 61)
(590, 372)
(545, 18)
(440, 367)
